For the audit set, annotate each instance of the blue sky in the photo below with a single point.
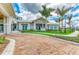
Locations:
(34, 8)
(16, 7)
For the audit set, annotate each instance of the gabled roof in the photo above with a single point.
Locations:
(32, 20)
(40, 18)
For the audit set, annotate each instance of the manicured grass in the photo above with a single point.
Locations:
(2, 39)
(48, 32)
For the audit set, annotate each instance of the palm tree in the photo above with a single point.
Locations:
(58, 20)
(69, 22)
(61, 12)
(46, 12)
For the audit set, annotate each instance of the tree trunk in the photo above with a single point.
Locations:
(62, 26)
(65, 26)
(70, 25)
(59, 26)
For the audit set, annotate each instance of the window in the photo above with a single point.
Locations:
(1, 27)
(53, 27)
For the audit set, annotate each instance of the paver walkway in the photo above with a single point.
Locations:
(28, 44)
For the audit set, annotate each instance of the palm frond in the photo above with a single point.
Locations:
(62, 11)
(46, 12)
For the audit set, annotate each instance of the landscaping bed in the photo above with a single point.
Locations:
(3, 44)
(74, 39)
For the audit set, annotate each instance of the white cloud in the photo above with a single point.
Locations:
(75, 18)
(77, 11)
(54, 14)
(28, 15)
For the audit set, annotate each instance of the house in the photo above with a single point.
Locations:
(53, 26)
(7, 18)
(37, 24)
(8, 22)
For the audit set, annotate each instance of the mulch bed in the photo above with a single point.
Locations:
(3, 46)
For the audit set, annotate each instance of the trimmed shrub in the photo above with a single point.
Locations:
(2, 39)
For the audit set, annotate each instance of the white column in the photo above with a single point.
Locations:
(46, 26)
(34, 26)
(7, 25)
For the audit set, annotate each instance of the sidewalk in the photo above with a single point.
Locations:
(74, 34)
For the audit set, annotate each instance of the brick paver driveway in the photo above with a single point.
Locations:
(28, 44)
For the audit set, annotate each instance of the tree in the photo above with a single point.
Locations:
(46, 12)
(59, 20)
(61, 12)
(69, 22)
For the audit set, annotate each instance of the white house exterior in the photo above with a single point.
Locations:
(37, 24)
(8, 22)
(7, 18)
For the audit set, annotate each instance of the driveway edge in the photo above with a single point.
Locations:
(9, 48)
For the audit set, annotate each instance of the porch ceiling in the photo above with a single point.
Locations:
(8, 8)
(1, 15)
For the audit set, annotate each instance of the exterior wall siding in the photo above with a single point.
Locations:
(32, 25)
(53, 27)
(20, 26)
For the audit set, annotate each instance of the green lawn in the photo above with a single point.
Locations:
(48, 32)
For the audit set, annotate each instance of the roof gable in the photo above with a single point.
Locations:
(40, 19)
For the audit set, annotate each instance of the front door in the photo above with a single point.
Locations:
(24, 26)
(40, 26)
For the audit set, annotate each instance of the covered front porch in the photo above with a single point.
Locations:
(7, 16)
(3, 24)
(40, 26)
